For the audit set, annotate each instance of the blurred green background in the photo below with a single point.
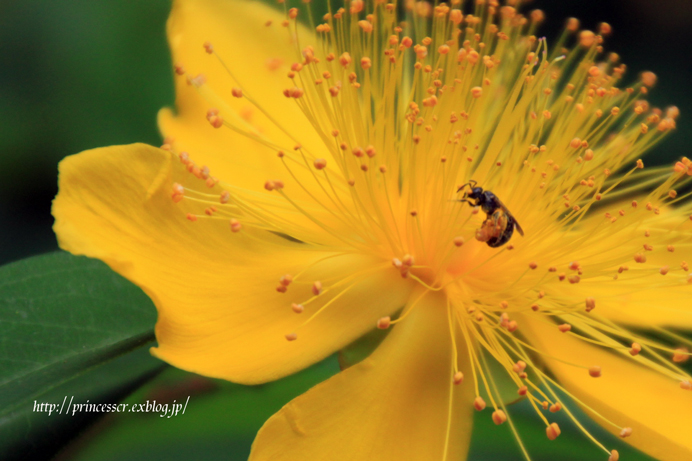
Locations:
(79, 74)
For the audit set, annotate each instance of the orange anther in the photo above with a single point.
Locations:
(458, 377)
(625, 432)
(499, 417)
(191, 217)
(587, 38)
(345, 59)
(235, 225)
(614, 455)
(565, 327)
(554, 408)
(590, 304)
(476, 91)
(479, 403)
(297, 308)
(572, 24)
(320, 163)
(357, 6)
(595, 371)
(636, 349)
(384, 323)
(640, 258)
(293, 13)
(533, 264)
(522, 390)
(237, 92)
(686, 385)
(458, 241)
(681, 355)
(216, 121)
(519, 366)
(317, 288)
(208, 47)
(291, 337)
(648, 79)
(552, 431)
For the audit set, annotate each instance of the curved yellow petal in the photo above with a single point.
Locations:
(259, 56)
(631, 303)
(627, 393)
(661, 300)
(391, 406)
(219, 312)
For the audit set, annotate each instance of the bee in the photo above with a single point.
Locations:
(499, 224)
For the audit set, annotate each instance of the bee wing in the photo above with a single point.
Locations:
(516, 224)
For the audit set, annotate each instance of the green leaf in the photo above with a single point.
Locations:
(31, 434)
(60, 315)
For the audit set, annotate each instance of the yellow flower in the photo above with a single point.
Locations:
(310, 190)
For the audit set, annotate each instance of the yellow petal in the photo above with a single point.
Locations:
(238, 32)
(631, 303)
(627, 393)
(219, 312)
(391, 406)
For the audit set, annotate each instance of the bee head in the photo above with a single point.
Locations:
(475, 193)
